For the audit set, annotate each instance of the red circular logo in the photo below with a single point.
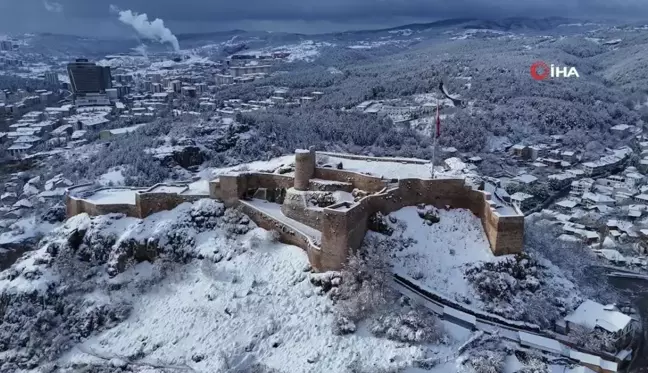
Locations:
(540, 70)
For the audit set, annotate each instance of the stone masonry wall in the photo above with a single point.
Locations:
(286, 233)
(78, 206)
(150, 203)
(146, 203)
(304, 168)
(344, 230)
(365, 182)
(296, 207)
(231, 188)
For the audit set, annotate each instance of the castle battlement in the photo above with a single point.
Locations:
(328, 234)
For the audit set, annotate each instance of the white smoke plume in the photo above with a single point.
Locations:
(52, 6)
(152, 30)
(142, 50)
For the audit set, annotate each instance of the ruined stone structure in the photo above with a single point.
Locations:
(328, 234)
(344, 225)
(146, 201)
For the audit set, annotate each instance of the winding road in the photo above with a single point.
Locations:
(488, 323)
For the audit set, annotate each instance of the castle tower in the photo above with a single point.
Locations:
(304, 167)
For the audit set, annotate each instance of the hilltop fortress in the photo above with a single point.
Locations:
(324, 210)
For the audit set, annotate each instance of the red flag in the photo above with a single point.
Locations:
(438, 123)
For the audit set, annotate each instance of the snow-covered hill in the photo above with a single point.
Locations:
(198, 288)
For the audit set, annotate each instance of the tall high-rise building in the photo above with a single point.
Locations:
(87, 77)
(6, 45)
(106, 77)
(51, 77)
(176, 85)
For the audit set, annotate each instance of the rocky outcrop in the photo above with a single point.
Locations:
(185, 157)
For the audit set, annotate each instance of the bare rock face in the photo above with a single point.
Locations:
(378, 223)
(10, 252)
(186, 157)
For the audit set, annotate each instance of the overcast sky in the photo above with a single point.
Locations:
(93, 17)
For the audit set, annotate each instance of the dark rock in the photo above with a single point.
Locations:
(54, 214)
(378, 223)
(186, 157)
(76, 238)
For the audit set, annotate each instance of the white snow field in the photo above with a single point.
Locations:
(438, 254)
(254, 303)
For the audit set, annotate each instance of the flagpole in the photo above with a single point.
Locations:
(433, 154)
(435, 137)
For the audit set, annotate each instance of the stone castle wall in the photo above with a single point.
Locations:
(343, 228)
(146, 203)
(368, 183)
(150, 203)
(78, 206)
(230, 188)
(288, 234)
(296, 207)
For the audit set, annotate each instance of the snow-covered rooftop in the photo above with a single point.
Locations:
(592, 314)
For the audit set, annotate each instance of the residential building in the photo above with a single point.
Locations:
(17, 150)
(566, 205)
(521, 200)
(52, 78)
(6, 45)
(581, 186)
(525, 179)
(597, 199)
(176, 86)
(520, 150)
(593, 315)
(224, 79)
(559, 181)
(249, 69)
(621, 129)
(92, 99)
(608, 162)
(587, 236)
(108, 134)
(189, 91)
(112, 94)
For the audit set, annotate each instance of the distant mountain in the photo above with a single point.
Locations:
(520, 24)
(209, 35)
(505, 24)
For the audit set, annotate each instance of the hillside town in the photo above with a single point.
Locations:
(472, 207)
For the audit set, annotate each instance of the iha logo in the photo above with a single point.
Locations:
(541, 71)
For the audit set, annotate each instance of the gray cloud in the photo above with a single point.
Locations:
(293, 15)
